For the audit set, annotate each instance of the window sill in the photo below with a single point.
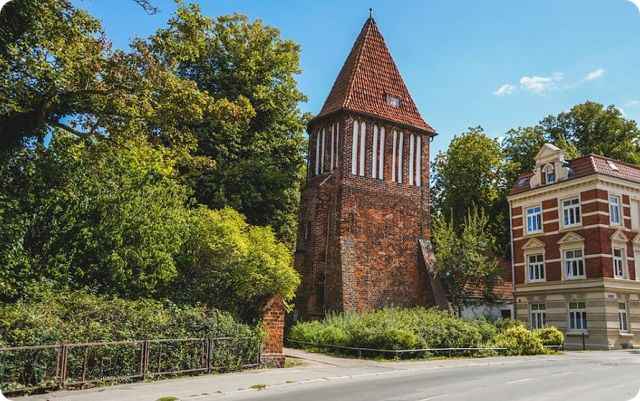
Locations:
(625, 334)
(578, 332)
(536, 281)
(575, 278)
(571, 227)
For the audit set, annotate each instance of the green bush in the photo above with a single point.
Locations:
(505, 324)
(550, 336)
(519, 341)
(392, 328)
(81, 317)
(78, 317)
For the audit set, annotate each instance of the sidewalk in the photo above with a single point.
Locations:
(315, 368)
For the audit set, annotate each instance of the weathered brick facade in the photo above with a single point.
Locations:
(358, 244)
(273, 326)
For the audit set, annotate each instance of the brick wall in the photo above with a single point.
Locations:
(358, 241)
(273, 324)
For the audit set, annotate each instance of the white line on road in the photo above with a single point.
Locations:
(436, 396)
(528, 379)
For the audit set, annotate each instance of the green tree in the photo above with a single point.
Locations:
(58, 71)
(466, 260)
(98, 216)
(231, 265)
(586, 128)
(471, 172)
(258, 165)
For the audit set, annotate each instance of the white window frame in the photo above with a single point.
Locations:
(549, 167)
(573, 210)
(623, 317)
(537, 266)
(537, 316)
(619, 270)
(540, 213)
(577, 317)
(612, 210)
(577, 264)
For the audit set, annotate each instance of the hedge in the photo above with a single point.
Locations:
(417, 328)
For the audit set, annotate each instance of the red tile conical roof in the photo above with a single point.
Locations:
(368, 78)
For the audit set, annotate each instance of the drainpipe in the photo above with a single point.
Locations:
(513, 266)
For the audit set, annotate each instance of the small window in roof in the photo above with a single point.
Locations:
(612, 165)
(393, 101)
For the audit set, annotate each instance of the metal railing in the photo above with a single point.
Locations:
(47, 367)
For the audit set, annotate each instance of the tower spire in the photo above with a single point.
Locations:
(370, 13)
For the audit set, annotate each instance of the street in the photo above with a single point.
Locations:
(590, 376)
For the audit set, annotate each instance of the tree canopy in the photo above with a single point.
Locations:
(112, 160)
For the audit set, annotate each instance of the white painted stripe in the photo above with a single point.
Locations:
(528, 379)
(433, 397)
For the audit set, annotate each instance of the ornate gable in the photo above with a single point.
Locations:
(618, 236)
(571, 238)
(533, 243)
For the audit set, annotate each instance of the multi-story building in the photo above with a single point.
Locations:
(576, 248)
(365, 207)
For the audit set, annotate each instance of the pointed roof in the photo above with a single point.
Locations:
(368, 78)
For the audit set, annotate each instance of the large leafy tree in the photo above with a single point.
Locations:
(257, 165)
(91, 215)
(470, 173)
(586, 128)
(465, 258)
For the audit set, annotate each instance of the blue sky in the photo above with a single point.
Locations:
(494, 63)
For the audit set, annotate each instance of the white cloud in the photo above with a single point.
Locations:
(632, 103)
(636, 3)
(540, 85)
(595, 74)
(504, 90)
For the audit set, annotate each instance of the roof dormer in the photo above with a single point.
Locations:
(550, 166)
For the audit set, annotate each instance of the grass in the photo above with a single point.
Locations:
(168, 398)
(259, 387)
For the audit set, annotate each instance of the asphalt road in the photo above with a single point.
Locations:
(613, 376)
(589, 376)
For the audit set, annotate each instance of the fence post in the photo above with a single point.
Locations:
(209, 355)
(62, 365)
(144, 359)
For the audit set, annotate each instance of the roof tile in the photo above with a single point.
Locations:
(367, 78)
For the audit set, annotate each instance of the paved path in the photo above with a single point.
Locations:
(592, 376)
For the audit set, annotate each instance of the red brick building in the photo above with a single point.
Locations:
(575, 229)
(365, 207)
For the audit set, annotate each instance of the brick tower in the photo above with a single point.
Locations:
(365, 206)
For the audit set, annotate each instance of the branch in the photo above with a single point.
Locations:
(69, 129)
(147, 6)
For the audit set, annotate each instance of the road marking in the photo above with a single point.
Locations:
(436, 396)
(520, 381)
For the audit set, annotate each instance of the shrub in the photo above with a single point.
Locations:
(505, 324)
(393, 328)
(550, 336)
(519, 341)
